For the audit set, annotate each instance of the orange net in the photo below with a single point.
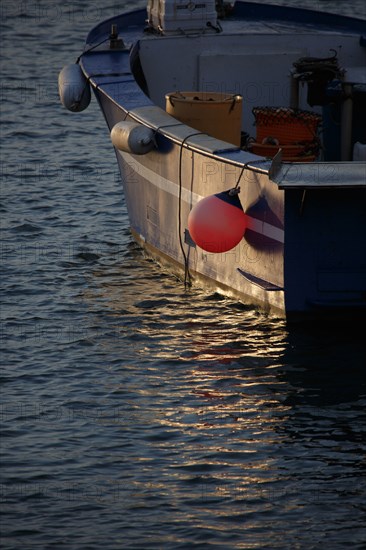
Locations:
(288, 126)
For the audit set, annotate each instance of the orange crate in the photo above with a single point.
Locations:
(288, 126)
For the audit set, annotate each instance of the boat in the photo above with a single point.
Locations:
(240, 134)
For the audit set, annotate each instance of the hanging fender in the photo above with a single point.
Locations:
(132, 137)
(74, 89)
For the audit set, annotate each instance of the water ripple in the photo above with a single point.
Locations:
(136, 413)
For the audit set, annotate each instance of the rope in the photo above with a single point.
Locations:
(187, 275)
(87, 83)
(235, 190)
(308, 66)
(92, 48)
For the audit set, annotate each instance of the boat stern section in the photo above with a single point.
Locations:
(325, 244)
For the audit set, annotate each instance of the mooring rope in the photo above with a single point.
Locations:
(92, 48)
(187, 275)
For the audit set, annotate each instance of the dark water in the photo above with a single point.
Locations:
(136, 414)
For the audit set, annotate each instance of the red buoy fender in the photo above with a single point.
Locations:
(217, 223)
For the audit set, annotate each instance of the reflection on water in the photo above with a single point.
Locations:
(136, 414)
(171, 418)
(247, 419)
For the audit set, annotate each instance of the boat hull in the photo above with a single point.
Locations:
(159, 204)
(302, 253)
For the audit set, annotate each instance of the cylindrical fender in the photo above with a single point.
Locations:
(73, 88)
(132, 137)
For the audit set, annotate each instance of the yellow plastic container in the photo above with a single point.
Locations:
(215, 114)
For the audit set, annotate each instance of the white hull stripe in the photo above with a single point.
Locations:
(258, 226)
(266, 229)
